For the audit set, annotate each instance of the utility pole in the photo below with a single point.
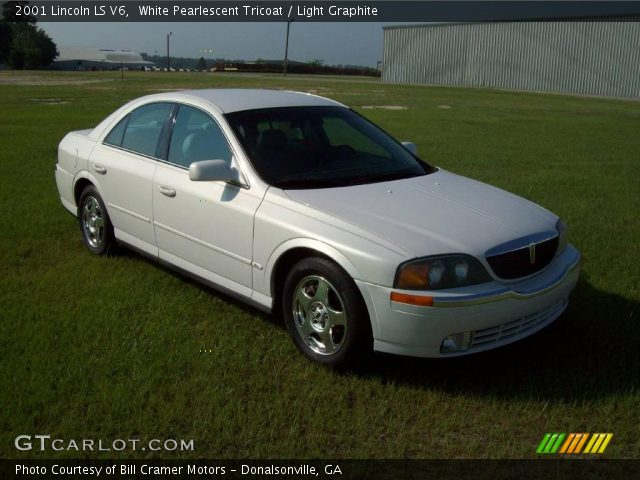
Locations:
(286, 50)
(168, 58)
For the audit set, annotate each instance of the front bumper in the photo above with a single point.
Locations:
(495, 313)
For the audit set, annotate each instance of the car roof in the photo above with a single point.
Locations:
(236, 99)
(225, 100)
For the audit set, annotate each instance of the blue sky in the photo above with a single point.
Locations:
(335, 43)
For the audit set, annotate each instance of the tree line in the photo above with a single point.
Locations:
(315, 66)
(22, 43)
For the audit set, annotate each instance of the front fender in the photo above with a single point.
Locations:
(311, 244)
(328, 251)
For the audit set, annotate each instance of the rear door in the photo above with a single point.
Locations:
(124, 167)
(203, 227)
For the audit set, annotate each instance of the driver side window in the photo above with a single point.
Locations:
(196, 136)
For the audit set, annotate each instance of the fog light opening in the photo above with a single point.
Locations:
(458, 342)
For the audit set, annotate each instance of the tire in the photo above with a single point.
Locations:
(95, 226)
(325, 314)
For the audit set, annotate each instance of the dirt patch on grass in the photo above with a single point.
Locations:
(385, 107)
(365, 92)
(319, 91)
(16, 78)
(49, 101)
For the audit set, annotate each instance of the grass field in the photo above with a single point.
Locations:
(111, 348)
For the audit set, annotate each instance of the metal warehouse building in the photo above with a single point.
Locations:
(596, 57)
(90, 58)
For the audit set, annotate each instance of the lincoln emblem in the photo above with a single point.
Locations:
(532, 253)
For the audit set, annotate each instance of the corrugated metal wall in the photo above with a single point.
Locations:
(589, 57)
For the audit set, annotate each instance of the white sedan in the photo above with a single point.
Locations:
(299, 205)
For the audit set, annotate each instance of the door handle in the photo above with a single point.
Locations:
(168, 191)
(100, 169)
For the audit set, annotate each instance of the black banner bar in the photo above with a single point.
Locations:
(556, 468)
(323, 11)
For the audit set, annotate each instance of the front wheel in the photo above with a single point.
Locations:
(95, 225)
(325, 314)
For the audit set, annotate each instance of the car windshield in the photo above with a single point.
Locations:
(319, 147)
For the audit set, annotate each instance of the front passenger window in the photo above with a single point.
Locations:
(196, 136)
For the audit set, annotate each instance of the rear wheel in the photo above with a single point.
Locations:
(325, 314)
(95, 225)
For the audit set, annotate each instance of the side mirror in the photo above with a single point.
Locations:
(211, 171)
(411, 147)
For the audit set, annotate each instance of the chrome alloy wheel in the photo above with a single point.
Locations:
(93, 222)
(319, 315)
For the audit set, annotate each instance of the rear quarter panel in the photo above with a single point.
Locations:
(73, 153)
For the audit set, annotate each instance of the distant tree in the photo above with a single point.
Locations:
(31, 47)
(202, 64)
(6, 41)
(22, 43)
(316, 62)
(10, 10)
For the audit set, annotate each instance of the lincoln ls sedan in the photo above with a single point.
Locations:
(302, 207)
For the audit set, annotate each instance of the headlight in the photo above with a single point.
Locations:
(563, 236)
(440, 271)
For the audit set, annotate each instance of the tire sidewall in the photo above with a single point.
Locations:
(358, 339)
(104, 249)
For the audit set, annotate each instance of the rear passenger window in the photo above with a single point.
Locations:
(144, 128)
(196, 136)
(115, 135)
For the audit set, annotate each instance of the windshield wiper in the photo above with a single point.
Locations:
(297, 181)
(307, 182)
(377, 177)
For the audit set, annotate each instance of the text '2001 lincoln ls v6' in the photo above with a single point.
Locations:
(297, 204)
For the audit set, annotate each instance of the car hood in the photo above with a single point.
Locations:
(433, 214)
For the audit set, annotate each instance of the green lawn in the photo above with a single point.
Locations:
(111, 348)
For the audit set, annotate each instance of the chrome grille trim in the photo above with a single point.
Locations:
(519, 243)
(520, 263)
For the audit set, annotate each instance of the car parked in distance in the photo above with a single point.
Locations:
(299, 205)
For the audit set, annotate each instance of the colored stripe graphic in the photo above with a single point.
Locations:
(543, 443)
(581, 443)
(550, 443)
(573, 443)
(567, 443)
(590, 444)
(606, 442)
(556, 445)
(598, 443)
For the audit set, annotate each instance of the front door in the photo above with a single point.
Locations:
(203, 227)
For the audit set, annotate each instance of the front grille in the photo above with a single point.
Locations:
(517, 328)
(517, 263)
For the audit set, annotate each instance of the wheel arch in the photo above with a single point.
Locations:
(78, 188)
(82, 180)
(291, 252)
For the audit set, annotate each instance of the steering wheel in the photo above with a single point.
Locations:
(345, 149)
(339, 153)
